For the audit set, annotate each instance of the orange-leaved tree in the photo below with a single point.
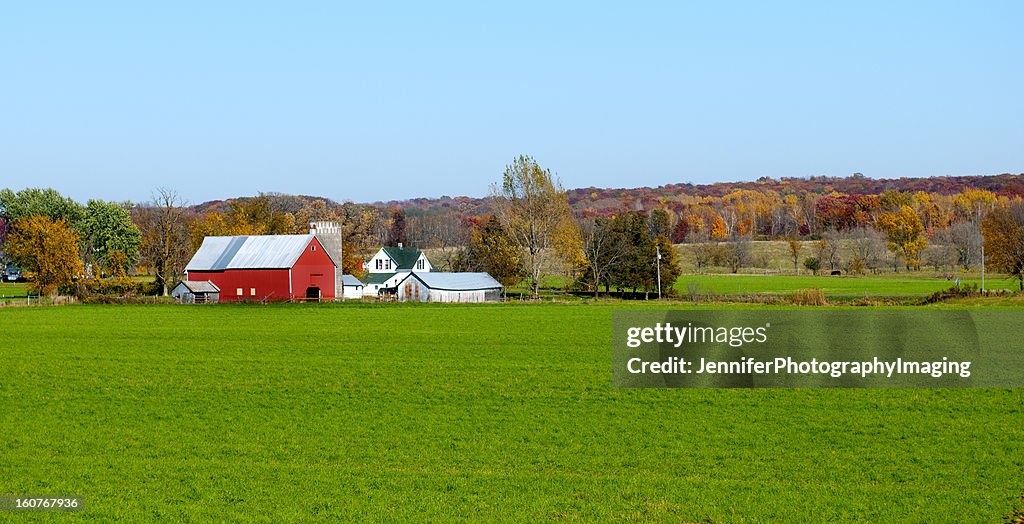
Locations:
(47, 248)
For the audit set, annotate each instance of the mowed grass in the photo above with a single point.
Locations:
(13, 290)
(869, 285)
(290, 413)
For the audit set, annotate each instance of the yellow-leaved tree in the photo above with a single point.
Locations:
(533, 208)
(718, 231)
(47, 248)
(906, 234)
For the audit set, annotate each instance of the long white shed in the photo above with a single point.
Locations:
(449, 287)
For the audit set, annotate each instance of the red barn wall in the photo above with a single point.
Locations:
(314, 268)
(270, 284)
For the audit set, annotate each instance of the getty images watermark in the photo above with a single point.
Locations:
(817, 348)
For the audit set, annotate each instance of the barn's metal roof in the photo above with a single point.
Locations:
(351, 280)
(458, 281)
(248, 252)
(200, 286)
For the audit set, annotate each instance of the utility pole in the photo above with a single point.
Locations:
(657, 249)
(981, 240)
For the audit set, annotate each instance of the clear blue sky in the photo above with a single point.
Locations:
(387, 102)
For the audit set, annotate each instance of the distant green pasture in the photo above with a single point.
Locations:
(13, 290)
(839, 285)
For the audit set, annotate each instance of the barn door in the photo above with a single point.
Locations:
(312, 293)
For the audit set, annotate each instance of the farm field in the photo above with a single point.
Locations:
(503, 412)
(778, 276)
(13, 290)
(868, 285)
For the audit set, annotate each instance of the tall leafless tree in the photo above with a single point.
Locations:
(164, 223)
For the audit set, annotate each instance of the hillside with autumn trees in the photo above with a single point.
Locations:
(598, 237)
(878, 223)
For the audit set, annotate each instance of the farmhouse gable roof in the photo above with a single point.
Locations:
(404, 257)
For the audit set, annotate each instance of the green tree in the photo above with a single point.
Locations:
(637, 270)
(48, 249)
(46, 202)
(659, 223)
(813, 264)
(670, 267)
(107, 229)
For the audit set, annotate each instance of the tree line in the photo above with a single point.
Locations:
(528, 230)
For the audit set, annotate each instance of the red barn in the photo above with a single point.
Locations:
(265, 267)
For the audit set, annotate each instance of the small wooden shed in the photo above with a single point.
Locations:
(196, 292)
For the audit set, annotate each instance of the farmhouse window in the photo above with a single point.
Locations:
(312, 248)
(239, 292)
(252, 292)
(419, 264)
(380, 263)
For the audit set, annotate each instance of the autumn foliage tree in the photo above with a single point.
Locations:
(47, 248)
(1003, 230)
(532, 206)
(244, 216)
(794, 252)
(396, 227)
(718, 229)
(906, 234)
(492, 250)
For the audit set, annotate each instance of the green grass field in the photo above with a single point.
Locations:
(290, 413)
(13, 290)
(868, 285)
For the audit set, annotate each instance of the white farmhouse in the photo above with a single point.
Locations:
(390, 265)
(398, 259)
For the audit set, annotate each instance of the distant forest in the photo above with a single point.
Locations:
(766, 208)
(611, 233)
(787, 208)
(608, 201)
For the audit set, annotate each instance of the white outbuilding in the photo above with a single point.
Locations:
(353, 287)
(448, 287)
